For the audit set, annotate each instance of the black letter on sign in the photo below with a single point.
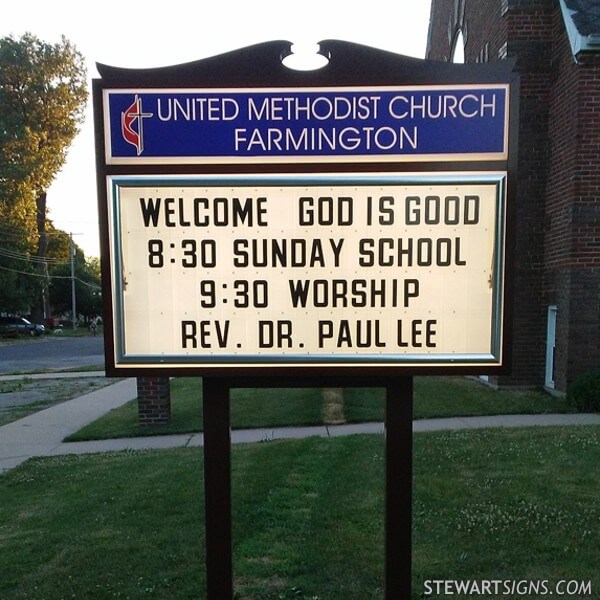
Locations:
(188, 333)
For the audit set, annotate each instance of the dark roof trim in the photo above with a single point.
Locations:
(349, 64)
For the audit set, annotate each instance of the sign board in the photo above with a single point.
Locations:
(179, 126)
(338, 228)
(321, 270)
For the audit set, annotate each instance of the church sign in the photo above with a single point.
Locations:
(291, 226)
(348, 227)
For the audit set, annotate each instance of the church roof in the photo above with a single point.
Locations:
(582, 19)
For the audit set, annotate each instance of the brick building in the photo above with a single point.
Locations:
(556, 43)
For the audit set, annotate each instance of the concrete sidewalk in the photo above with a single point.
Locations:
(247, 436)
(41, 434)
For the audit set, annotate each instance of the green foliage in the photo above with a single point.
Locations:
(59, 244)
(42, 97)
(20, 281)
(18, 284)
(87, 286)
(43, 93)
(584, 393)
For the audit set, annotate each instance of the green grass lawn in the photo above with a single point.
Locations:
(518, 504)
(434, 397)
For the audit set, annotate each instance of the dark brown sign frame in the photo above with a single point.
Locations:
(260, 67)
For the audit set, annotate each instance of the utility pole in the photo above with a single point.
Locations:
(73, 298)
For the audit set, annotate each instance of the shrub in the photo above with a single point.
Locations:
(584, 393)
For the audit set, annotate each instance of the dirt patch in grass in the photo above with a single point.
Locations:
(333, 406)
(22, 397)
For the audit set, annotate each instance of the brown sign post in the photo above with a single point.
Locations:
(349, 226)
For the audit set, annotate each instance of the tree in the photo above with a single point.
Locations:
(88, 290)
(18, 281)
(59, 244)
(43, 94)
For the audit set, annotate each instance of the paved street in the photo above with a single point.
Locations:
(51, 352)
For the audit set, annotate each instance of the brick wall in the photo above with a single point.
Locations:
(584, 318)
(154, 400)
(529, 30)
(572, 244)
(558, 197)
(560, 190)
(522, 29)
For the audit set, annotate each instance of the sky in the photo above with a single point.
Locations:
(138, 34)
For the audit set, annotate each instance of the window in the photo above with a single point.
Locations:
(550, 347)
(458, 48)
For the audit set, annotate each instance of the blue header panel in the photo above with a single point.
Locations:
(432, 123)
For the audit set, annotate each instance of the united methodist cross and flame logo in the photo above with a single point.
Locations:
(132, 124)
